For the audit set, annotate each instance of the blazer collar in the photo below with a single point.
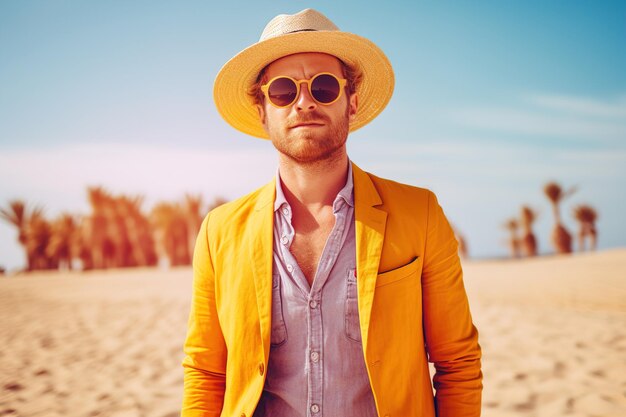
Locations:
(370, 224)
(261, 252)
(267, 194)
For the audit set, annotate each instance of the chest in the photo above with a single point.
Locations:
(310, 236)
(308, 244)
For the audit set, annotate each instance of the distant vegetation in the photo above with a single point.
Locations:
(117, 233)
(561, 238)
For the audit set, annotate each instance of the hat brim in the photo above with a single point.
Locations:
(230, 90)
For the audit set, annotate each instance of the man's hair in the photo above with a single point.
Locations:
(352, 73)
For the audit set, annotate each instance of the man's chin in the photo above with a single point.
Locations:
(306, 134)
(310, 154)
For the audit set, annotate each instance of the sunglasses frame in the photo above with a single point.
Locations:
(342, 84)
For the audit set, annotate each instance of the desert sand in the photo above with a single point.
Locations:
(552, 331)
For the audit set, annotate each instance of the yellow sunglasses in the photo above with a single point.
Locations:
(283, 91)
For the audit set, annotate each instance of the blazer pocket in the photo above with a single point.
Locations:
(399, 273)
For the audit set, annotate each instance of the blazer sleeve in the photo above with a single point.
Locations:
(450, 336)
(205, 350)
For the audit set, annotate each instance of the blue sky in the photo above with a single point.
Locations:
(492, 100)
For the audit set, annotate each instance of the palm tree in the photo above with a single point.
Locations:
(160, 219)
(462, 244)
(561, 238)
(171, 230)
(587, 217)
(514, 242)
(16, 215)
(63, 240)
(137, 231)
(118, 224)
(217, 201)
(38, 233)
(142, 235)
(193, 211)
(98, 232)
(176, 227)
(528, 241)
(83, 243)
(463, 251)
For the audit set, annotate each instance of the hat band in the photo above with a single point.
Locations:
(302, 30)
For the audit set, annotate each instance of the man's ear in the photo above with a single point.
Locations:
(261, 110)
(353, 107)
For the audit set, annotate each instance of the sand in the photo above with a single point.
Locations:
(553, 333)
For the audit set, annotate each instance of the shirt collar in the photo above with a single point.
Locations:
(346, 193)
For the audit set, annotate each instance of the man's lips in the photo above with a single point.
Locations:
(307, 124)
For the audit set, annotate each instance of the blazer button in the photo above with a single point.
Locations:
(261, 368)
(243, 414)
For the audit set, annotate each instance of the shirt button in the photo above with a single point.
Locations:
(289, 268)
(315, 357)
(284, 240)
(261, 368)
(315, 408)
(313, 304)
(285, 211)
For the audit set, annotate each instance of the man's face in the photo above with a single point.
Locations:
(307, 131)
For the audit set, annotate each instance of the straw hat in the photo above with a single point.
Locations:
(306, 31)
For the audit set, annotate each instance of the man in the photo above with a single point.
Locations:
(327, 291)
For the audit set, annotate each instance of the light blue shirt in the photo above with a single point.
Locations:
(316, 365)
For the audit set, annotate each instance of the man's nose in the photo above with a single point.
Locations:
(305, 102)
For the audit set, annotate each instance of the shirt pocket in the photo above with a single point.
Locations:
(279, 329)
(352, 326)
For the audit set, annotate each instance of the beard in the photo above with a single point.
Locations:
(310, 146)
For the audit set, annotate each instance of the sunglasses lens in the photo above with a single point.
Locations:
(282, 91)
(325, 88)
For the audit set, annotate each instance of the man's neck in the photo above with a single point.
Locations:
(313, 186)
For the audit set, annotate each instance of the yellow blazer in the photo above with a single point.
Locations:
(412, 305)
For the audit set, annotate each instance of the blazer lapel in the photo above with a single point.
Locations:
(261, 222)
(370, 223)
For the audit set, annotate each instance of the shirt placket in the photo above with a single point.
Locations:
(314, 352)
(316, 349)
(293, 270)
